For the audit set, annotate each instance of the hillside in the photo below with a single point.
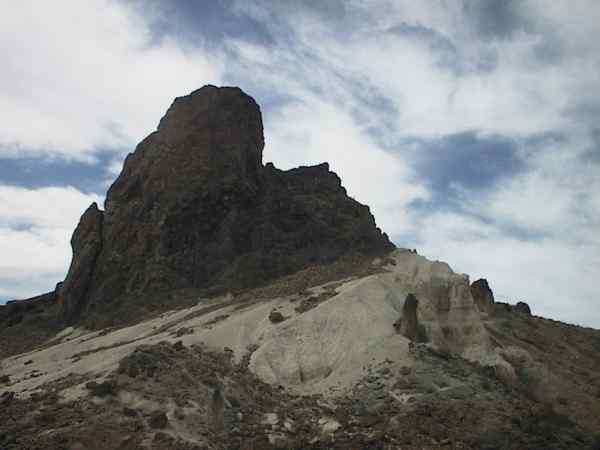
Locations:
(219, 303)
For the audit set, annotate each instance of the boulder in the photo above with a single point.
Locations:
(103, 389)
(276, 317)
(158, 420)
(523, 308)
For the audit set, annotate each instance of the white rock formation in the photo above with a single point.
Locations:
(326, 349)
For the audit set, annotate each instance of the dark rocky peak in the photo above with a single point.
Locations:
(483, 295)
(211, 140)
(194, 207)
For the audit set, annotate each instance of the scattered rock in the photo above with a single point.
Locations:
(140, 363)
(29, 361)
(306, 304)
(178, 346)
(103, 389)
(217, 319)
(276, 317)
(408, 324)
(6, 398)
(158, 420)
(329, 425)
(4, 379)
(183, 331)
(522, 307)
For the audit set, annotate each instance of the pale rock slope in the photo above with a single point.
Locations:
(325, 349)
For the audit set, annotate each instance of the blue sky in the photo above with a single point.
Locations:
(469, 127)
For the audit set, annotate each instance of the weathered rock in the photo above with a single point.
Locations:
(276, 317)
(523, 307)
(86, 244)
(483, 296)
(141, 363)
(408, 324)
(14, 311)
(195, 208)
(158, 420)
(102, 389)
(6, 398)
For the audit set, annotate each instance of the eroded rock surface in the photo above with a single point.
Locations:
(86, 244)
(523, 308)
(483, 295)
(195, 207)
(408, 324)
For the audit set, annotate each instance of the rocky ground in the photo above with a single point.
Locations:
(169, 396)
(169, 382)
(25, 326)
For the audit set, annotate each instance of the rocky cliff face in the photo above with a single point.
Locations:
(483, 296)
(195, 207)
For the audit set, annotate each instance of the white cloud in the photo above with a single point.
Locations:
(81, 76)
(35, 229)
(312, 131)
(517, 96)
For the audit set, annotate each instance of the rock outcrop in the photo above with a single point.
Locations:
(483, 296)
(523, 308)
(194, 207)
(86, 244)
(408, 324)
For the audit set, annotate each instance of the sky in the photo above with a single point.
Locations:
(470, 127)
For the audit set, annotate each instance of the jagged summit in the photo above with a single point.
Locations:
(195, 207)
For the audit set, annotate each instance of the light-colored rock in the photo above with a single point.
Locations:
(329, 425)
(270, 419)
(324, 350)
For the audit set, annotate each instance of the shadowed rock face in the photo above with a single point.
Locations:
(483, 296)
(86, 243)
(408, 325)
(195, 207)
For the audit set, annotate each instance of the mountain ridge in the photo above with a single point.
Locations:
(219, 303)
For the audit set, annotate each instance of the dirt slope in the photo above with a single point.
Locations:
(325, 367)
